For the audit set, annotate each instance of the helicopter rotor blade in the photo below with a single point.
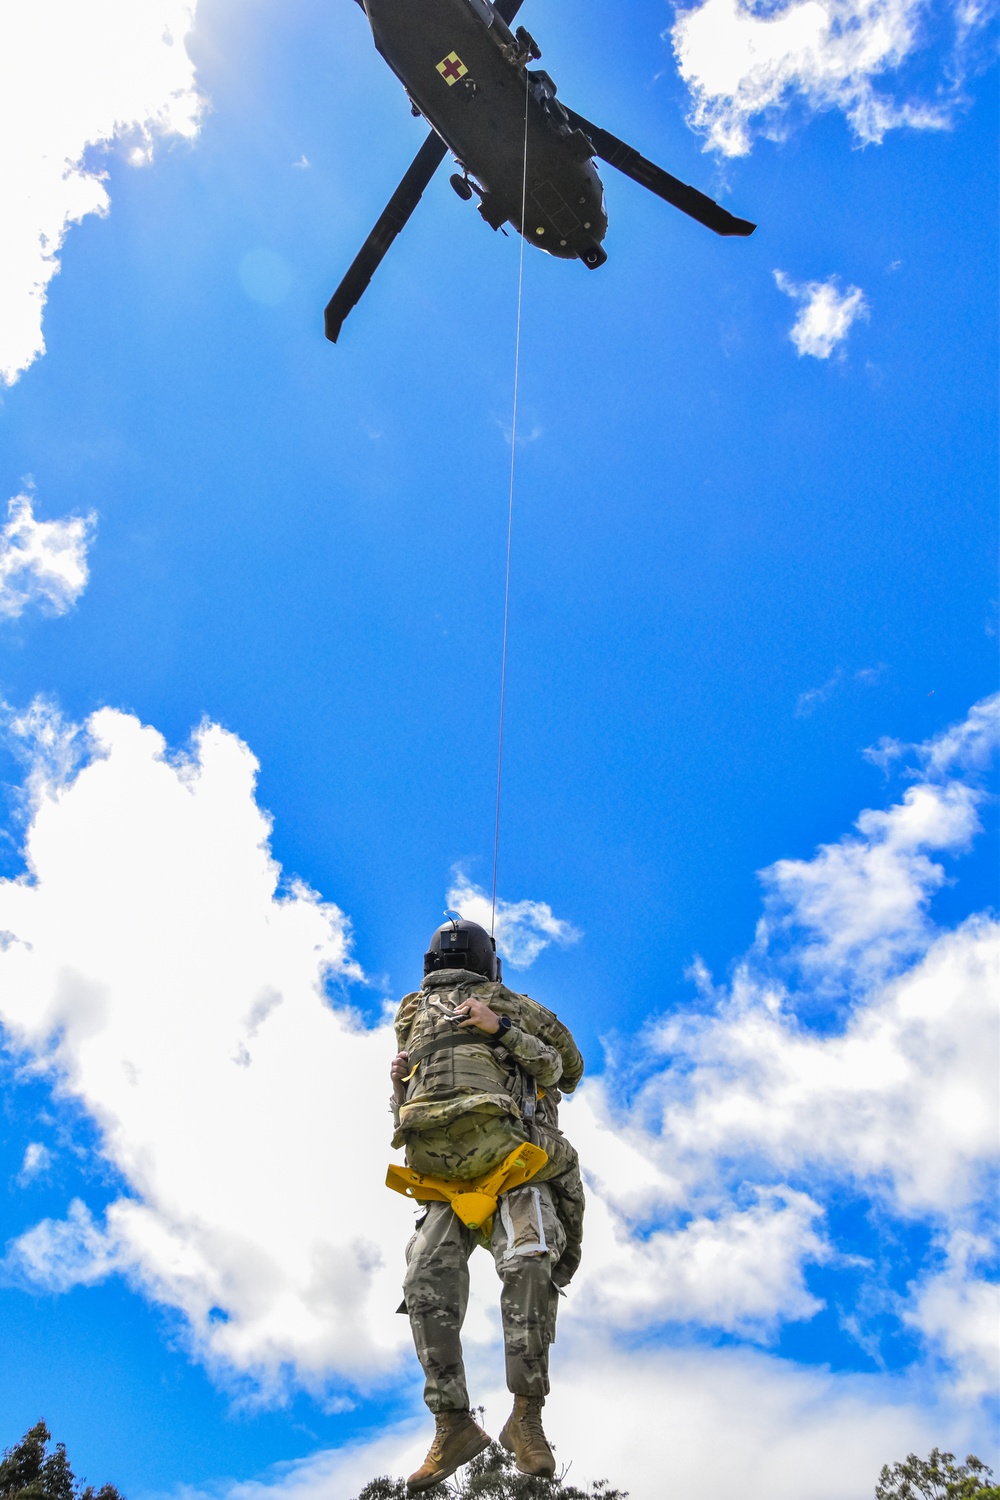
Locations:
(392, 219)
(688, 199)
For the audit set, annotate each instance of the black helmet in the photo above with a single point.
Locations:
(463, 945)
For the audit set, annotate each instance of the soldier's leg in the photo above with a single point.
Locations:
(570, 1203)
(562, 1172)
(528, 1241)
(436, 1289)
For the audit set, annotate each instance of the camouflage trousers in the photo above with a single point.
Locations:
(527, 1241)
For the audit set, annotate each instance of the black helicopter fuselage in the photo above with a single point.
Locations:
(466, 74)
(529, 157)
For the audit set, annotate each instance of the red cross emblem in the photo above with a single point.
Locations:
(452, 68)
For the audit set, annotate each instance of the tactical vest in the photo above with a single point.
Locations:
(450, 1062)
(460, 1117)
(462, 1111)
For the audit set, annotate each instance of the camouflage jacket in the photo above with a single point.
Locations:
(467, 1098)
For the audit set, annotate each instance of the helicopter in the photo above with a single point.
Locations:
(526, 156)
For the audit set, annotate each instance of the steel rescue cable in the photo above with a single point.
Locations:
(510, 508)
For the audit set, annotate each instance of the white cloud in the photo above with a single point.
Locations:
(37, 1160)
(161, 972)
(859, 906)
(523, 928)
(709, 1186)
(900, 1103)
(900, 1109)
(737, 1267)
(748, 63)
(42, 563)
(958, 1310)
(658, 1421)
(73, 1252)
(76, 75)
(813, 698)
(826, 314)
(808, 702)
(969, 746)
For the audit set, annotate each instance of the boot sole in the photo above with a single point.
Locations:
(472, 1449)
(543, 1473)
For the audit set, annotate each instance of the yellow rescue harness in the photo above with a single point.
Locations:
(474, 1202)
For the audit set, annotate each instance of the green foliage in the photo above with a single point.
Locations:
(493, 1476)
(937, 1478)
(29, 1472)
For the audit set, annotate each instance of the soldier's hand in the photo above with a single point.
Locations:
(400, 1067)
(478, 1017)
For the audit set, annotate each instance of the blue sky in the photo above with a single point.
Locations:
(753, 596)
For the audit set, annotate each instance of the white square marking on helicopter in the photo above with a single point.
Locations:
(452, 69)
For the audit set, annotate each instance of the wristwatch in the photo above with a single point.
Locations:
(505, 1026)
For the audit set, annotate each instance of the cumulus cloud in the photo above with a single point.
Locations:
(71, 1252)
(859, 907)
(825, 316)
(716, 1171)
(37, 1160)
(762, 1427)
(523, 929)
(646, 1419)
(736, 1265)
(42, 563)
(958, 1310)
(968, 747)
(163, 973)
(747, 64)
(708, 1192)
(752, 1092)
(75, 78)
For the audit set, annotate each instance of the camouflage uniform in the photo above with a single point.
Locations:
(469, 1102)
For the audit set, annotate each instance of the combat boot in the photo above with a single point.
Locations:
(524, 1436)
(457, 1440)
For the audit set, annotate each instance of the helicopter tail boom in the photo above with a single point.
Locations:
(688, 199)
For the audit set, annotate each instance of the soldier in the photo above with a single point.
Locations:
(476, 1075)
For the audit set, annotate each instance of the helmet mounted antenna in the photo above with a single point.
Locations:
(461, 944)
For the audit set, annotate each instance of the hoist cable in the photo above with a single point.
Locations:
(510, 509)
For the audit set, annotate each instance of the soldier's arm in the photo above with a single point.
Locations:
(400, 1063)
(397, 1072)
(546, 1025)
(535, 1056)
(572, 1057)
(404, 1018)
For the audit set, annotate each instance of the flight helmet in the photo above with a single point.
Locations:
(459, 944)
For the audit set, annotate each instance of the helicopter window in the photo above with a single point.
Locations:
(484, 11)
(542, 85)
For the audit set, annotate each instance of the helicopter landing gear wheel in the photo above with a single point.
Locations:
(529, 47)
(462, 186)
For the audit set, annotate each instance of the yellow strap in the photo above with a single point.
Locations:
(474, 1202)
